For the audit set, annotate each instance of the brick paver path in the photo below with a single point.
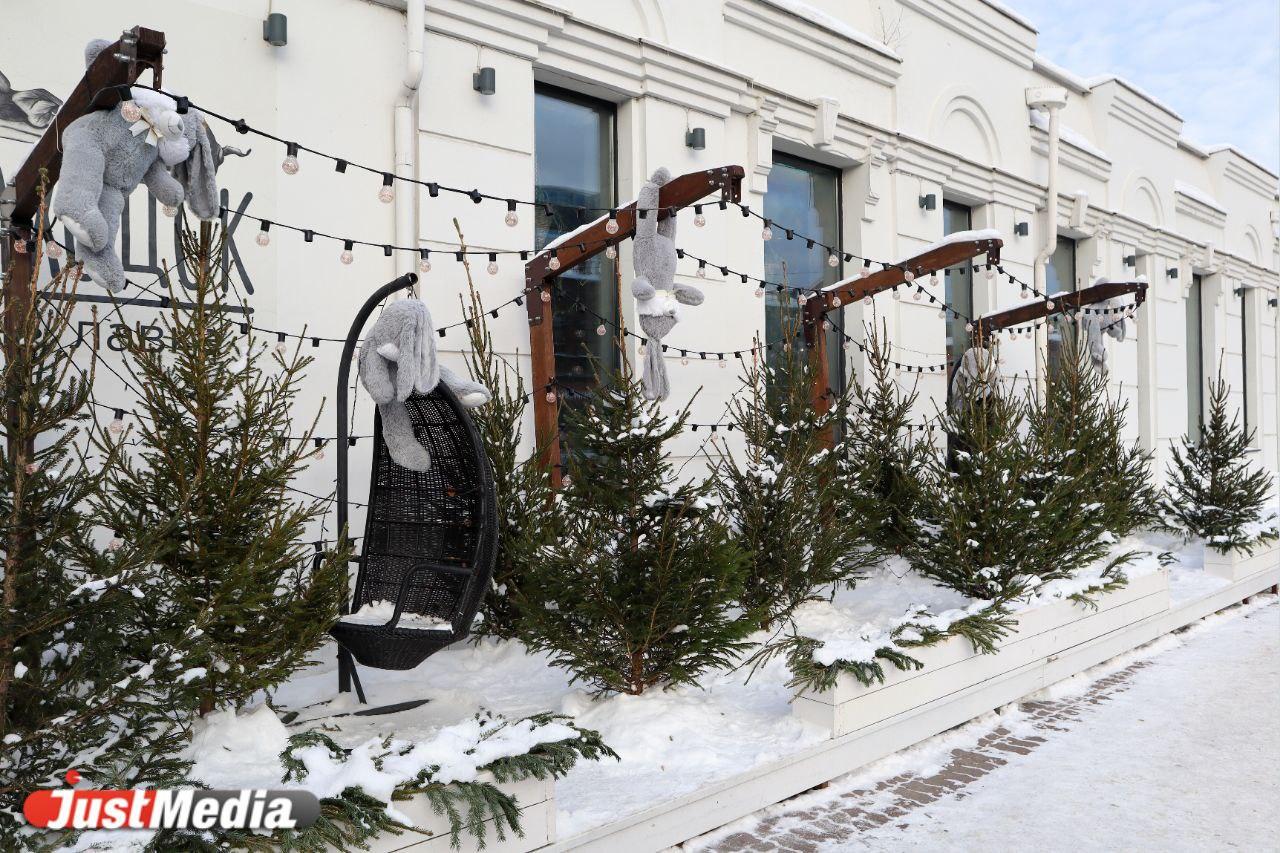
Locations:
(808, 829)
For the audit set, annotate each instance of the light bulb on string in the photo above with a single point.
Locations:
(319, 454)
(424, 260)
(908, 276)
(833, 260)
(554, 263)
(896, 295)
(263, 238)
(611, 224)
(866, 299)
(601, 330)
(512, 218)
(492, 266)
(933, 279)
(803, 298)
(698, 219)
(835, 302)
(942, 313)
(53, 249)
(1025, 294)
(129, 111)
(1049, 304)
(916, 295)
(290, 163)
(610, 251)
(759, 292)
(968, 327)
(701, 271)
(116, 427)
(387, 193)
(546, 295)
(826, 325)
(347, 256)
(115, 543)
(684, 360)
(990, 273)
(280, 347)
(766, 233)
(551, 396)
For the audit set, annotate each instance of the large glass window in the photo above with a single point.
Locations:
(958, 283)
(1059, 277)
(1195, 358)
(804, 197)
(575, 168)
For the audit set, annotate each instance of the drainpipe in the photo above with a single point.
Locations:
(406, 136)
(1051, 99)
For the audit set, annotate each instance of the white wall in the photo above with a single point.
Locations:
(752, 72)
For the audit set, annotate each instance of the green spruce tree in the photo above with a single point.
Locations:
(81, 684)
(1214, 490)
(982, 533)
(207, 490)
(781, 492)
(885, 457)
(523, 487)
(1093, 485)
(640, 590)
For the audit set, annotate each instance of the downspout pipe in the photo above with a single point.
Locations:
(1050, 99)
(405, 133)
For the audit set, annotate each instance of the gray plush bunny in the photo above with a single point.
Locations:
(106, 155)
(654, 252)
(397, 359)
(654, 262)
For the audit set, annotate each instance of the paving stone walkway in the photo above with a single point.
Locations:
(835, 822)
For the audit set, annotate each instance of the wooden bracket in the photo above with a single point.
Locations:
(572, 251)
(1062, 302)
(850, 290)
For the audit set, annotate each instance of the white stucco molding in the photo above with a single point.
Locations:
(966, 102)
(982, 23)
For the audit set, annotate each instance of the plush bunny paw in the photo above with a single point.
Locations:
(687, 295)
(641, 289)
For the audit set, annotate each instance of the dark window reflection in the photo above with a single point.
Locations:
(574, 167)
(958, 284)
(1059, 277)
(805, 197)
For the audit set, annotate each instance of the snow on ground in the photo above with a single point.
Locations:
(1184, 759)
(672, 742)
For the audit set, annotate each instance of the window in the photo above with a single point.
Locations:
(1195, 357)
(1059, 277)
(958, 283)
(575, 167)
(804, 197)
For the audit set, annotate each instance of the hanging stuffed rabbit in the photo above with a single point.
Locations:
(1096, 326)
(397, 359)
(654, 285)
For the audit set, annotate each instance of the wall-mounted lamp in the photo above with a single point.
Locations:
(275, 29)
(1273, 302)
(485, 80)
(1239, 291)
(696, 138)
(1022, 229)
(1130, 260)
(929, 202)
(1172, 272)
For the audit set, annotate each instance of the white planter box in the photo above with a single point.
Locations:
(1234, 565)
(1041, 636)
(537, 819)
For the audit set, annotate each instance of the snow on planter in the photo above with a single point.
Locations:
(488, 775)
(1058, 616)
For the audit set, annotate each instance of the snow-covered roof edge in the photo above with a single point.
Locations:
(831, 24)
(1103, 79)
(1067, 134)
(1196, 194)
(1226, 146)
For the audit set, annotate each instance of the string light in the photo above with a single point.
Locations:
(290, 163)
(767, 233)
(701, 272)
(611, 225)
(698, 219)
(554, 263)
(512, 218)
(319, 454)
(546, 296)
(610, 252)
(908, 276)
(424, 260)
(263, 238)
(116, 427)
(53, 249)
(280, 346)
(492, 267)
(347, 256)
(601, 330)
(833, 260)
(387, 193)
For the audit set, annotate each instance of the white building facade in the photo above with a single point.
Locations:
(877, 127)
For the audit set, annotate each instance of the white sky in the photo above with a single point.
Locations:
(1216, 63)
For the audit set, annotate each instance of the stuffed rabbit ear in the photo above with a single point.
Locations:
(428, 374)
(198, 173)
(376, 373)
(409, 365)
(647, 210)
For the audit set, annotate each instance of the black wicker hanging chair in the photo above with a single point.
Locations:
(430, 537)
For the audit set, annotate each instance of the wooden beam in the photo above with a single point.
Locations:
(539, 279)
(119, 64)
(1062, 302)
(850, 290)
